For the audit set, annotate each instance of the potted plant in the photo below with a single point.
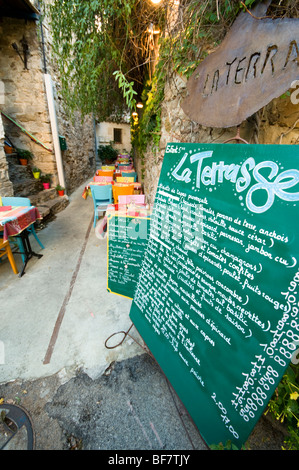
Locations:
(24, 156)
(36, 172)
(107, 153)
(60, 190)
(46, 179)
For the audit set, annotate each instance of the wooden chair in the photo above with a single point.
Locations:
(138, 198)
(103, 179)
(102, 197)
(6, 250)
(122, 179)
(129, 174)
(122, 190)
(22, 201)
(105, 173)
(125, 167)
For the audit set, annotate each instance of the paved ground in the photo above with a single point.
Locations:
(54, 363)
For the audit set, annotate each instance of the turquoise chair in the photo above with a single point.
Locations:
(21, 201)
(102, 197)
(130, 175)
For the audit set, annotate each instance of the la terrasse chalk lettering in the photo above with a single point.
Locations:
(242, 176)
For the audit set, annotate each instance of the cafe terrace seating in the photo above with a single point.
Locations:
(105, 173)
(103, 179)
(125, 167)
(22, 201)
(121, 179)
(102, 197)
(129, 174)
(126, 190)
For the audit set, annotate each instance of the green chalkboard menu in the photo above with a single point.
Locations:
(216, 301)
(126, 242)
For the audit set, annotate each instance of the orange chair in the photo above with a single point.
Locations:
(122, 191)
(6, 250)
(105, 173)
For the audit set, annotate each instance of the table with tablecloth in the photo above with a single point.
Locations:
(15, 219)
(87, 192)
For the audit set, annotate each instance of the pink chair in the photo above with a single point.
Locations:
(103, 179)
(138, 198)
(125, 167)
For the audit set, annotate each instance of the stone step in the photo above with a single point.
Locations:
(43, 196)
(26, 187)
(52, 206)
(17, 172)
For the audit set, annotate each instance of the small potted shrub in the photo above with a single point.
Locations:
(107, 153)
(46, 180)
(60, 190)
(24, 156)
(36, 172)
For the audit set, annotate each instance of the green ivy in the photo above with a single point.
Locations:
(93, 40)
(127, 89)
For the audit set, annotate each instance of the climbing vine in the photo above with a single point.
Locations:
(190, 34)
(101, 49)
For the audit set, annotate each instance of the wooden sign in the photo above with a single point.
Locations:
(127, 237)
(257, 62)
(217, 297)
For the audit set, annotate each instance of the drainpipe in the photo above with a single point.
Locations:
(54, 127)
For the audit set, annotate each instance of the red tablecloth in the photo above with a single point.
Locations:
(16, 219)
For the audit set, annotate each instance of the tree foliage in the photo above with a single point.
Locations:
(94, 39)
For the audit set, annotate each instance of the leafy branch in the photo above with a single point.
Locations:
(127, 89)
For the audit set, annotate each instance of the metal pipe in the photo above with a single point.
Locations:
(54, 127)
(42, 37)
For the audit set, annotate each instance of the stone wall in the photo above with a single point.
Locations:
(277, 123)
(5, 183)
(25, 101)
(24, 93)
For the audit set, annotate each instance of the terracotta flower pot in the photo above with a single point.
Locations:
(8, 149)
(23, 161)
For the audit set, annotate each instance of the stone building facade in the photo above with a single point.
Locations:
(24, 99)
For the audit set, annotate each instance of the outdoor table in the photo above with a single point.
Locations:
(14, 220)
(86, 192)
